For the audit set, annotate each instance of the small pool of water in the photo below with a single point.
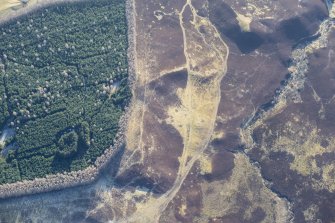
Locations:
(7, 133)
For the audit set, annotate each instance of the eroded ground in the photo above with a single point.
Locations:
(232, 120)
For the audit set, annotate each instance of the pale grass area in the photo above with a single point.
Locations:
(9, 4)
(244, 22)
(221, 198)
(11, 9)
(194, 118)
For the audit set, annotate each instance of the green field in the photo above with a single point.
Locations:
(63, 87)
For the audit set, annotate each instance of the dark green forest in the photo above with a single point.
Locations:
(63, 87)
